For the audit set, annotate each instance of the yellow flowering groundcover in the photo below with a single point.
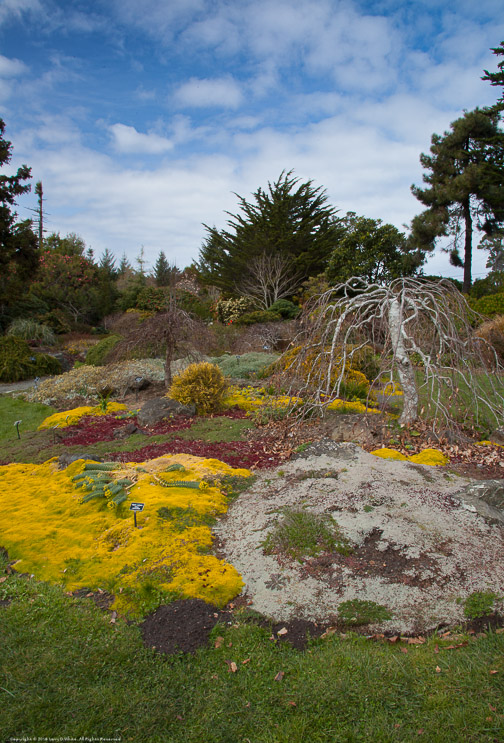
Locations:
(57, 537)
(253, 398)
(431, 457)
(71, 417)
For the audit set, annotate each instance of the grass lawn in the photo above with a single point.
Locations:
(67, 671)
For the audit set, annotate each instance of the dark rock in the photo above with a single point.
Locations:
(497, 436)
(485, 497)
(64, 460)
(159, 408)
(124, 431)
(364, 429)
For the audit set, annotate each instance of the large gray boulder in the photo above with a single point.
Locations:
(160, 408)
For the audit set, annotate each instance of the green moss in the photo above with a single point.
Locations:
(358, 612)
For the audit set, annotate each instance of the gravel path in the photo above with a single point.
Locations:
(417, 548)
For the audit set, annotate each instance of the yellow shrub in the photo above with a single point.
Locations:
(432, 457)
(202, 385)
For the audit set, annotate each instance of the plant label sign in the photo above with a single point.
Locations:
(136, 508)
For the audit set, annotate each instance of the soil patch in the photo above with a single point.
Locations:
(182, 626)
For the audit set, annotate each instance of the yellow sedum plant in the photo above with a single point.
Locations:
(54, 536)
(71, 417)
(432, 457)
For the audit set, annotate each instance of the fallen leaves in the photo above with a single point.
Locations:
(279, 676)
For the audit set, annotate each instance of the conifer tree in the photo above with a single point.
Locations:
(464, 191)
(290, 218)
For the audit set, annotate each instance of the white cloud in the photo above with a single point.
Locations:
(221, 92)
(11, 67)
(127, 140)
(10, 9)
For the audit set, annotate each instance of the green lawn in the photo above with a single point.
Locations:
(67, 671)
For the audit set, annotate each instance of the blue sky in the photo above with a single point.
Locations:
(142, 118)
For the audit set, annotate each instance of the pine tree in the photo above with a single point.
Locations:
(465, 190)
(497, 78)
(164, 272)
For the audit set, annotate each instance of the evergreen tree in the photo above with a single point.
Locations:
(374, 251)
(290, 218)
(164, 272)
(124, 265)
(107, 265)
(18, 243)
(497, 78)
(464, 189)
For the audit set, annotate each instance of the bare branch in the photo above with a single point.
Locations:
(423, 334)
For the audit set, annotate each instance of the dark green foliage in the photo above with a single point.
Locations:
(251, 318)
(489, 306)
(491, 284)
(96, 356)
(497, 78)
(18, 243)
(46, 365)
(464, 189)
(165, 273)
(287, 309)
(152, 299)
(197, 305)
(377, 252)
(289, 218)
(17, 360)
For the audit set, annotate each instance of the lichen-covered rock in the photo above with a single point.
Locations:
(158, 408)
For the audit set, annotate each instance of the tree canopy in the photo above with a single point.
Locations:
(464, 190)
(18, 243)
(374, 251)
(497, 78)
(290, 219)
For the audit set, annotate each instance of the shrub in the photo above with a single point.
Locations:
(96, 356)
(202, 385)
(354, 383)
(489, 305)
(258, 316)
(492, 332)
(243, 366)
(30, 330)
(153, 299)
(46, 365)
(288, 310)
(229, 310)
(17, 361)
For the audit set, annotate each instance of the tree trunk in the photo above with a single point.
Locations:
(404, 366)
(466, 287)
(168, 363)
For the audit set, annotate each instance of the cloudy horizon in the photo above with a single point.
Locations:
(144, 120)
